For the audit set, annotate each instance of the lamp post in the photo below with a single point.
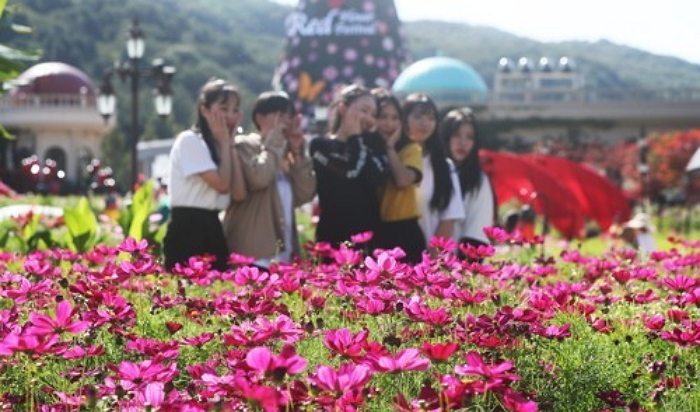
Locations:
(131, 70)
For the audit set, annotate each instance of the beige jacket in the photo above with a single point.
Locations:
(255, 226)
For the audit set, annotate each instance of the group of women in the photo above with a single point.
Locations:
(395, 169)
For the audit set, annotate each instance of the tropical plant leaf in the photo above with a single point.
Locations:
(82, 225)
(142, 205)
(40, 236)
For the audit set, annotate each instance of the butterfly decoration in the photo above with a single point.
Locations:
(308, 89)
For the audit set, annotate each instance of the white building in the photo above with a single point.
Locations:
(52, 114)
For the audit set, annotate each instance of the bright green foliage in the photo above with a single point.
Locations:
(82, 226)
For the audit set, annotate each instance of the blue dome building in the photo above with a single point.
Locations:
(448, 81)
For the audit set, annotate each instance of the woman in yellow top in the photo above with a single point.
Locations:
(398, 195)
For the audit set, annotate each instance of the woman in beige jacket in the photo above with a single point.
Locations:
(279, 177)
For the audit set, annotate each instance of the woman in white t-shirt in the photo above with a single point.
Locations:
(439, 193)
(458, 133)
(203, 171)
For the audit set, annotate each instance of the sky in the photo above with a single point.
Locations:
(669, 28)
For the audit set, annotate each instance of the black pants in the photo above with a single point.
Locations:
(405, 234)
(195, 232)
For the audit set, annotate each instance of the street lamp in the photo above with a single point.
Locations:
(159, 72)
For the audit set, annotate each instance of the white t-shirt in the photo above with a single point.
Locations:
(431, 218)
(190, 156)
(478, 213)
(646, 242)
(284, 188)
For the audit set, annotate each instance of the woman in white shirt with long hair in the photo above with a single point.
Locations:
(439, 192)
(458, 132)
(204, 174)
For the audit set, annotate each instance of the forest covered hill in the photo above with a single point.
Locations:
(242, 40)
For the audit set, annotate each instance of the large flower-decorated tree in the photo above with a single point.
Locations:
(338, 42)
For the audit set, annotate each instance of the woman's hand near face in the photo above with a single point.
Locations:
(275, 137)
(352, 121)
(393, 138)
(217, 124)
(295, 137)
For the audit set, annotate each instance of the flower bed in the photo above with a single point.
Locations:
(108, 329)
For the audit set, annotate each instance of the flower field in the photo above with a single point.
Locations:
(107, 329)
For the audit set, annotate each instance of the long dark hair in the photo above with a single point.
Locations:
(213, 91)
(442, 179)
(346, 96)
(385, 98)
(469, 171)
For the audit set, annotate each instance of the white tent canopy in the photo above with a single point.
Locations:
(694, 162)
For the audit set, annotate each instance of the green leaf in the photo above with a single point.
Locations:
(82, 225)
(142, 205)
(41, 236)
(4, 238)
(4, 134)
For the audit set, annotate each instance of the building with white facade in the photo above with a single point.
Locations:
(53, 115)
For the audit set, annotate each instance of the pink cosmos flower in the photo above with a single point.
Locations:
(407, 360)
(443, 243)
(514, 401)
(416, 310)
(600, 325)
(363, 237)
(342, 342)
(253, 276)
(370, 306)
(131, 245)
(496, 234)
(43, 325)
(346, 256)
(267, 398)
(198, 340)
(494, 376)
(385, 264)
(685, 338)
(692, 297)
(152, 396)
(262, 360)
(654, 322)
(26, 290)
(347, 378)
(282, 327)
(236, 259)
(136, 375)
(439, 351)
(36, 345)
(552, 331)
(77, 352)
(677, 315)
(318, 248)
(679, 282)
(477, 252)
